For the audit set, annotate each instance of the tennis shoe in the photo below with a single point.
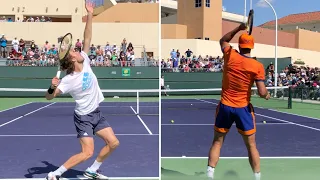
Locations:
(51, 176)
(94, 175)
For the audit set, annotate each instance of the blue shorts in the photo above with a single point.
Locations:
(88, 125)
(243, 117)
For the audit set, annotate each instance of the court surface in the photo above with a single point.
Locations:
(37, 138)
(289, 144)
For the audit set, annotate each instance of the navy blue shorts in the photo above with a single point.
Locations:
(88, 125)
(243, 117)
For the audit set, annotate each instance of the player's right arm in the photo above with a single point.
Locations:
(53, 91)
(224, 41)
(260, 82)
(88, 27)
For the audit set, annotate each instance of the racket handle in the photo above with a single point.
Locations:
(58, 74)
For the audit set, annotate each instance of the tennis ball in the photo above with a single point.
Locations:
(191, 104)
(184, 156)
(172, 121)
(264, 122)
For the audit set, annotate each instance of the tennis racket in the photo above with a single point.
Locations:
(249, 23)
(64, 48)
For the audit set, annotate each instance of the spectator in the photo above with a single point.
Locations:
(3, 46)
(15, 44)
(124, 45)
(78, 45)
(33, 46)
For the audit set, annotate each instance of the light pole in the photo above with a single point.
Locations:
(276, 49)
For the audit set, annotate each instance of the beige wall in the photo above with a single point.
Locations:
(138, 33)
(307, 40)
(311, 26)
(130, 12)
(202, 22)
(20, 8)
(202, 47)
(173, 31)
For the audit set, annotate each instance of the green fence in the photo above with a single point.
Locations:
(109, 78)
(282, 62)
(200, 80)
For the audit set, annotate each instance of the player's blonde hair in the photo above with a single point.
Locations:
(67, 65)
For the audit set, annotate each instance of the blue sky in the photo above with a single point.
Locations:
(263, 12)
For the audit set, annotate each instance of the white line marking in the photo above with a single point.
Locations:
(15, 107)
(194, 102)
(280, 157)
(280, 112)
(26, 114)
(106, 106)
(83, 178)
(309, 127)
(213, 124)
(144, 124)
(291, 114)
(65, 135)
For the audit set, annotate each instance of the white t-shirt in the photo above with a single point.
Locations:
(161, 82)
(15, 44)
(83, 87)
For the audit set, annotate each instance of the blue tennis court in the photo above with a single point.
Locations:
(38, 137)
(191, 133)
(288, 143)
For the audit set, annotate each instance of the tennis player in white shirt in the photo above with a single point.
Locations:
(82, 84)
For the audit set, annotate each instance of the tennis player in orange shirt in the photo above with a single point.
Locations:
(240, 71)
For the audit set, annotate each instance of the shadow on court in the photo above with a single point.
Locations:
(173, 175)
(50, 167)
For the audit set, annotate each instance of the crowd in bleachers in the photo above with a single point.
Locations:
(26, 19)
(298, 78)
(305, 81)
(19, 53)
(189, 62)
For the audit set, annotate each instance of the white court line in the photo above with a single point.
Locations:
(144, 124)
(291, 113)
(174, 124)
(15, 107)
(276, 157)
(280, 112)
(26, 114)
(103, 106)
(309, 127)
(65, 135)
(83, 178)
(193, 102)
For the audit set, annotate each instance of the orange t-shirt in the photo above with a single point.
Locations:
(239, 73)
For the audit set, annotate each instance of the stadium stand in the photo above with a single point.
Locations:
(28, 53)
(27, 48)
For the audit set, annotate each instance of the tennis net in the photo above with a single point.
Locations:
(117, 102)
(201, 99)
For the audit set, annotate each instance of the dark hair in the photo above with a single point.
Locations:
(67, 65)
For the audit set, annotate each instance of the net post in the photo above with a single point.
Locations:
(138, 102)
(290, 98)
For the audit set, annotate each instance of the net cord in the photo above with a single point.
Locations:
(137, 90)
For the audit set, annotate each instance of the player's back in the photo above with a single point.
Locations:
(239, 74)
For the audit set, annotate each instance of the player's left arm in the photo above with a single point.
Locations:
(224, 41)
(88, 28)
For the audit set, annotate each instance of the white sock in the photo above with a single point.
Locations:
(257, 176)
(210, 172)
(95, 166)
(60, 171)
